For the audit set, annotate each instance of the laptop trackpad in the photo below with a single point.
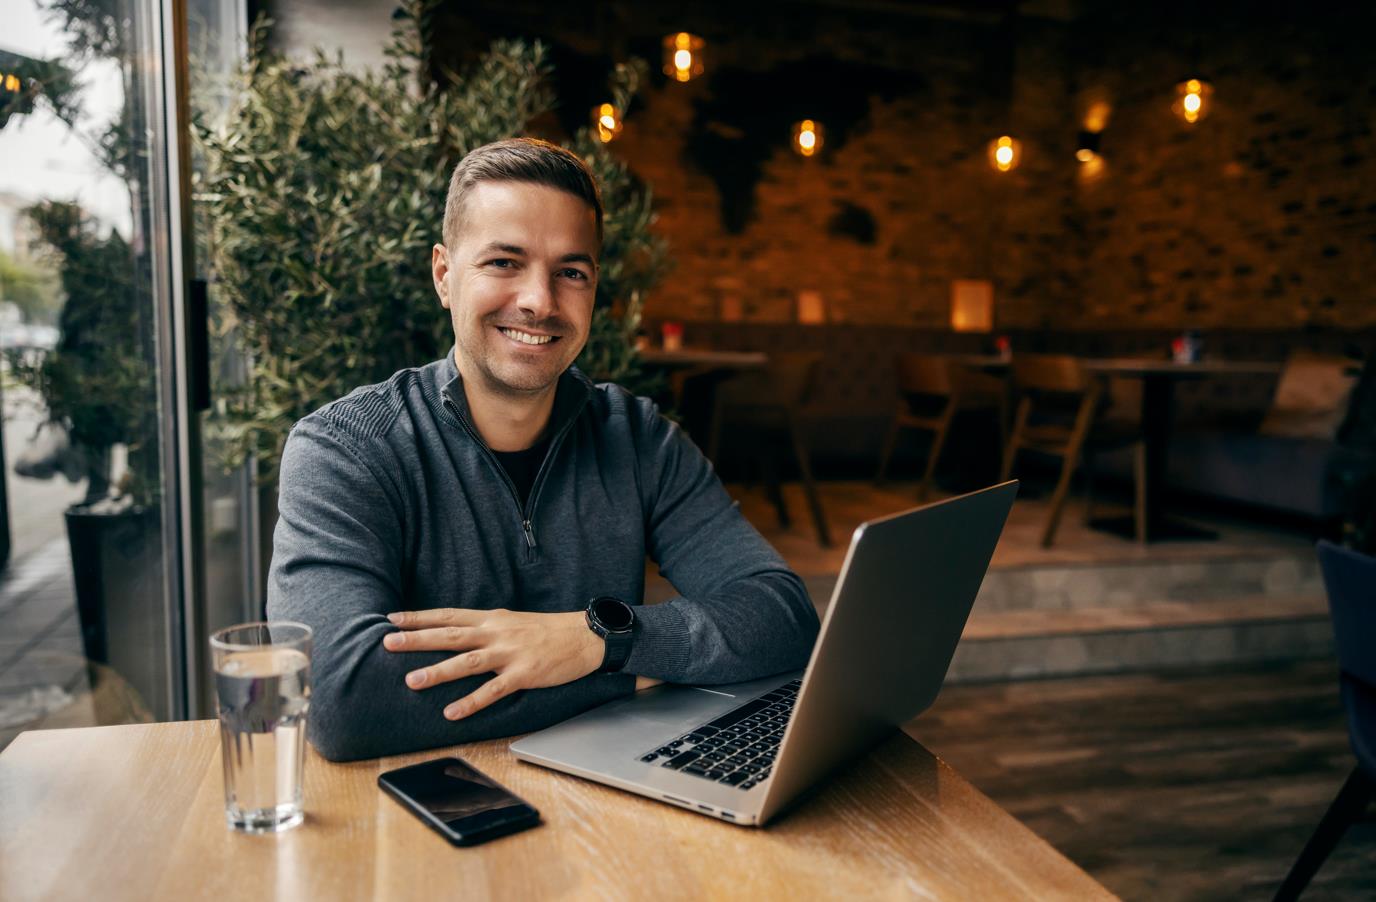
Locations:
(677, 705)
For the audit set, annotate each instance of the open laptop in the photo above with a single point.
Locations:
(743, 751)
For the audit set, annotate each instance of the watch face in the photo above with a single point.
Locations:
(613, 614)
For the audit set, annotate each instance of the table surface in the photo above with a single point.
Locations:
(136, 812)
(705, 357)
(1138, 366)
(1160, 366)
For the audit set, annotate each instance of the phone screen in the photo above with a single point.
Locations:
(469, 803)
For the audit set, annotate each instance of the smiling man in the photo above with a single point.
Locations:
(468, 539)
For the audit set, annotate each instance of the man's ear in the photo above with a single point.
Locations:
(439, 272)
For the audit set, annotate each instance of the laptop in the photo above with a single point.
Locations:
(741, 752)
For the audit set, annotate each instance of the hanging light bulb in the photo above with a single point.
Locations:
(807, 137)
(1005, 153)
(683, 56)
(607, 121)
(1192, 99)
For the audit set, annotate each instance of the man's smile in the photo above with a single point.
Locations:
(527, 338)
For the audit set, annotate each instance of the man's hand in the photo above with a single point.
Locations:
(525, 650)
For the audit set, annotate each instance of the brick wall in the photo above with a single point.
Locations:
(1263, 215)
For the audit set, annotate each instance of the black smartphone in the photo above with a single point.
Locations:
(465, 805)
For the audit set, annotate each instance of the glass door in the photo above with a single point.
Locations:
(102, 466)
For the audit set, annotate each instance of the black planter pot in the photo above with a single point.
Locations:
(113, 556)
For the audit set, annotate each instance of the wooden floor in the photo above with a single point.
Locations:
(1195, 785)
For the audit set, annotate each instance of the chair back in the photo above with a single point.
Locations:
(1349, 577)
(1053, 373)
(924, 374)
(793, 376)
(788, 381)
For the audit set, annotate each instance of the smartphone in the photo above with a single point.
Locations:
(466, 806)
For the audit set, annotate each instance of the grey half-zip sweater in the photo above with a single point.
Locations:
(389, 500)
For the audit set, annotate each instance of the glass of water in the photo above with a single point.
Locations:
(263, 688)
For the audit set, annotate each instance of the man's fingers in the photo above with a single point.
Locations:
(494, 689)
(457, 667)
(439, 638)
(417, 620)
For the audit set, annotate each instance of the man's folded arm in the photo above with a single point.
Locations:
(743, 613)
(337, 566)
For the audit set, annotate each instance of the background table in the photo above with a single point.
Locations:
(1158, 379)
(136, 812)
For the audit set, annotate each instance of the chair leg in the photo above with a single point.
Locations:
(1139, 487)
(1089, 488)
(934, 453)
(819, 518)
(714, 432)
(886, 451)
(1073, 449)
(773, 488)
(1011, 450)
(1058, 500)
(1346, 808)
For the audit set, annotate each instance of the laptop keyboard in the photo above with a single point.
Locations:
(739, 747)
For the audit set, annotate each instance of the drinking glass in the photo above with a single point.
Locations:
(263, 688)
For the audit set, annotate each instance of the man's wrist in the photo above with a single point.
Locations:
(591, 647)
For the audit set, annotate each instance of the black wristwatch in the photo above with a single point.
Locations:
(613, 620)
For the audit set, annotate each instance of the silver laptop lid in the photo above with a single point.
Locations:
(896, 615)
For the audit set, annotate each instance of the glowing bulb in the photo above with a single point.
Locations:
(683, 56)
(1191, 103)
(607, 121)
(1004, 153)
(1084, 155)
(807, 137)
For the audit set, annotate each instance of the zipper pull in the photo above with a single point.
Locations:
(530, 533)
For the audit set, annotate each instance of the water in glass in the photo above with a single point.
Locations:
(263, 697)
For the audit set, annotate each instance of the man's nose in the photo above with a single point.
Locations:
(537, 296)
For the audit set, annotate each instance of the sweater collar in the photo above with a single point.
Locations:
(573, 391)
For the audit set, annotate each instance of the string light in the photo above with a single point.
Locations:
(807, 137)
(683, 56)
(607, 121)
(1192, 99)
(1005, 153)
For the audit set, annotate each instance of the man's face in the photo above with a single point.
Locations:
(519, 286)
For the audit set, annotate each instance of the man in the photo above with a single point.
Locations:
(444, 532)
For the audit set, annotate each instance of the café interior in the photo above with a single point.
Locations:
(869, 255)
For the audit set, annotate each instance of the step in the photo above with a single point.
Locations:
(1272, 573)
(1144, 636)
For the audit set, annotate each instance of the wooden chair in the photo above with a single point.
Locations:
(760, 404)
(931, 390)
(1056, 413)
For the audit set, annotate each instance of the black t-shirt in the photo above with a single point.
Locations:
(522, 466)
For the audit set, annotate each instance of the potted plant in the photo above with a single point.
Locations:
(96, 388)
(324, 191)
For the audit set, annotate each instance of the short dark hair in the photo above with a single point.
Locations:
(519, 160)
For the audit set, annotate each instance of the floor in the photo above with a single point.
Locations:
(1195, 785)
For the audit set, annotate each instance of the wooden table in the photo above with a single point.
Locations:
(137, 812)
(1158, 379)
(704, 359)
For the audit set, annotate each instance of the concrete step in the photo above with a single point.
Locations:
(1268, 573)
(1027, 644)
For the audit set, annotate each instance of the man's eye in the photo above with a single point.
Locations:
(502, 262)
(575, 274)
